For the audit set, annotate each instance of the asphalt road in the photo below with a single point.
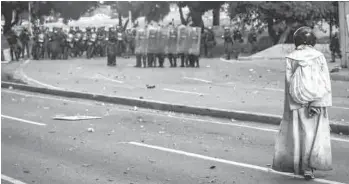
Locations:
(138, 146)
(251, 86)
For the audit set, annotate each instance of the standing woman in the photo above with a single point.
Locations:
(303, 143)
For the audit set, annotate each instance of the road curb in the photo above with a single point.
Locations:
(338, 77)
(179, 108)
(334, 76)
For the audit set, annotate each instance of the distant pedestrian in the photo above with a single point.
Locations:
(303, 143)
(335, 47)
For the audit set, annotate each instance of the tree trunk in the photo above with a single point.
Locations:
(284, 35)
(331, 25)
(8, 19)
(120, 20)
(216, 16)
(288, 30)
(196, 18)
(126, 23)
(271, 31)
(183, 21)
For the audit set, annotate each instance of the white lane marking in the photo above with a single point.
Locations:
(197, 79)
(11, 180)
(187, 92)
(239, 164)
(229, 61)
(33, 80)
(109, 79)
(46, 97)
(22, 120)
(171, 116)
(38, 82)
(113, 85)
(274, 89)
(338, 107)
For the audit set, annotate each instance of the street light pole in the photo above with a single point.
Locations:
(343, 8)
(30, 18)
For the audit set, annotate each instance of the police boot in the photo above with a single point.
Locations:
(161, 61)
(174, 61)
(154, 60)
(197, 61)
(149, 60)
(182, 60)
(170, 60)
(144, 61)
(109, 62)
(228, 56)
(187, 59)
(114, 60)
(138, 61)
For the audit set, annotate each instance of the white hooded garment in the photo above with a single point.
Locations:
(303, 142)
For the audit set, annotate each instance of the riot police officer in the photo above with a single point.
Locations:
(25, 38)
(238, 40)
(172, 46)
(71, 30)
(228, 42)
(210, 42)
(77, 29)
(335, 47)
(252, 39)
(112, 48)
(141, 47)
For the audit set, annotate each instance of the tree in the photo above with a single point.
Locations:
(67, 9)
(73, 9)
(197, 9)
(7, 10)
(216, 16)
(280, 18)
(151, 10)
(329, 10)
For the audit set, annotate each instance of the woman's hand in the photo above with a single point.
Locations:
(313, 110)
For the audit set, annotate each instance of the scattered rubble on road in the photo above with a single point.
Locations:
(75, 118)
(150, 86)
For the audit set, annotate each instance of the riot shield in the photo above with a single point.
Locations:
(163, 40)
(141, 41)
(194, 40)
(172, 41)
(152, 34)
(182, 40)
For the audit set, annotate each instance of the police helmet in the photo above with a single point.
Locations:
(304, 36)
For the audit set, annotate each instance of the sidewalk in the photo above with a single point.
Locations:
(240, 86)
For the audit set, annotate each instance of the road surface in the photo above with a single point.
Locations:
(251, 86)
(132, 145)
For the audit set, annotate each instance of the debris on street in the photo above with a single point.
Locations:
(150, 86)
(75, 118)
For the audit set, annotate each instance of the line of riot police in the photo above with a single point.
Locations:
(151, 44)
(155, 43)
(58, 43)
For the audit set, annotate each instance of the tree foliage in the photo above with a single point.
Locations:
(282, 17)
(197, 9)
(67, 9)
(151, 10)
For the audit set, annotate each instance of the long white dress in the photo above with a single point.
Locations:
(303, 142)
